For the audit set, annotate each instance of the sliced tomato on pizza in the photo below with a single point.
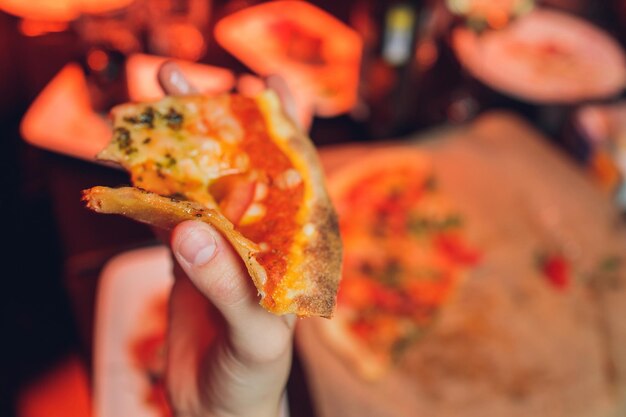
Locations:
(404, 256)
(240, 164)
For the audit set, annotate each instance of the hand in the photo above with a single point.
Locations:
(227, 356)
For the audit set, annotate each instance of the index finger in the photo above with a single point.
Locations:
(173, 81)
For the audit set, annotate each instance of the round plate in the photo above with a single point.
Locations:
(545, 57)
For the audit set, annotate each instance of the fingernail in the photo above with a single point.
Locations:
(198, 246)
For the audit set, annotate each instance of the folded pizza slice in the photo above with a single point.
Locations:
(240, 164)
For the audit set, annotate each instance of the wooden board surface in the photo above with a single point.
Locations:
(508, 344)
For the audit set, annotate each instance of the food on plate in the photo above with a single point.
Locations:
(492, 13)
(317, 54)
(238, 163)
(404, 255)
(545, 57)
(147, 352)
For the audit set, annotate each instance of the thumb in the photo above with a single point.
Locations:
(213, 266)
(216, 269)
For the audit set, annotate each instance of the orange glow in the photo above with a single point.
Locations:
(143, 85)
(59, 10)
(101, 6)
(497, 19)
(97, 60)
(426, 54)
(178, 40)
(603, 169)
(62, 392)
(62, 120)
(37, 27)
(316, 54)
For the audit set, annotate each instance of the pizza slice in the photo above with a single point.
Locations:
(404, 257)
(240, 164)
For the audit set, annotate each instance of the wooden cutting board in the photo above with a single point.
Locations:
(509, 344)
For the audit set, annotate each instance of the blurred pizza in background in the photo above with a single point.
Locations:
(492, 13)
(405, 253)
(483, 277)
(545, 56)
(317, 54)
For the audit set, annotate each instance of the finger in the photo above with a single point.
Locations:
(250, 85)
(173, 81)
(279, 85)
(217, 271)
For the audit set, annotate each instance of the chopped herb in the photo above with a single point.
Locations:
(401, 345)
(122, 138)
(366, 269)
(170, 161)
(431, 183)
(124, 141)
(145, 118)
(606, 275)
(610, 264)
(420, 225)
(391, 274)
(452, 221)
(174, 119)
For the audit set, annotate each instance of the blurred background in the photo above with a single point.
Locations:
(362, 71)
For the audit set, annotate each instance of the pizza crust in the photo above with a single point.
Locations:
(165, 213)
(319, 238)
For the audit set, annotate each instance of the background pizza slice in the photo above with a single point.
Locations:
(545, 56)
(238, 163)
(317, 54)
(404, 257)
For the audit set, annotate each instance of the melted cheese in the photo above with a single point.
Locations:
(178, 146)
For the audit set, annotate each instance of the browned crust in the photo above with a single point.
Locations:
(323, 252)
(165, 213)
(323, 258)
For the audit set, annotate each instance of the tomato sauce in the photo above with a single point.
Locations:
(278, 226)
(395, 297)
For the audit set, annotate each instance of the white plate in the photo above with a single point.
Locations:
(129, 284)
(545, 56)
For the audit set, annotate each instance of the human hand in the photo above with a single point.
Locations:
(227, 356)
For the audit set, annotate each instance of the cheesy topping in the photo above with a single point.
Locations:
(172, 147)
(223, 152)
